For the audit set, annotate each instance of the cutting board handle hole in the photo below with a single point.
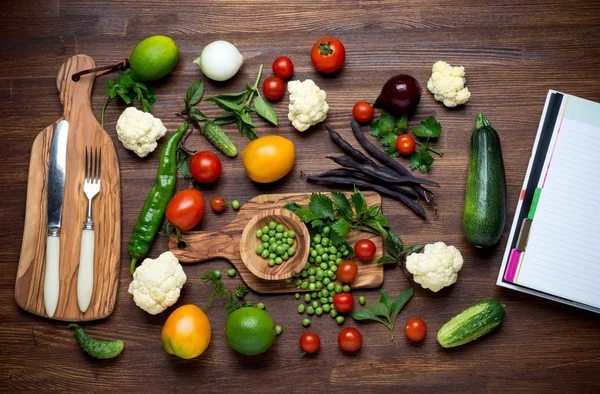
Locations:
(181, 244)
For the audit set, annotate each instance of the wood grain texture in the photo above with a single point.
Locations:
(227, 244)
(84, 131)
(513, 52)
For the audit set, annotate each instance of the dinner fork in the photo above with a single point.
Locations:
(91, 187)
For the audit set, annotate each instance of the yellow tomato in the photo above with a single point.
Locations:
(269, 158)
(186, 332)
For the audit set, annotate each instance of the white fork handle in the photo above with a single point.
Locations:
(85, 279)
(51, 285)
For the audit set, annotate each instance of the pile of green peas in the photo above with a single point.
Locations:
(277, 243)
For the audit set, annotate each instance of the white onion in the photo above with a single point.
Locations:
(220, 60)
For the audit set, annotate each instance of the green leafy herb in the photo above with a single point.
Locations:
(422, 159)
(386, 311)
(219, 290)
(395, 248)
(241, 291)
(127, 89)
(387, 129)
(241, 105)
(184, 158)
(337, 213)
(168, 229)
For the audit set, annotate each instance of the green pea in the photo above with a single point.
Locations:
(259, 249)
(307, 297)
(319, 249)
(318, 285)
(278, 260)
(291, 234)
(326, 280)
(343, 248)
(286, 247)
(317, 239)
(330, 286)
(311, 259)
(332, 258)
(332, 293)
(333, 268)
(325, 241)
(231, 272)
(306, 266)
(338, 261)
(260, 305)
(346, 289)
(319, 274)
(272, 248)
(279, 250)
(323, 300)
(265, 230)
(272, 256)
(332, 250)
(235, 204)
(291, 251)
(272, 241)
(280, 228)
(345, 253)
(315, 304)
(278, 329)
(312, 279)
(338, 255)
(340, 319)
(265, 238)
(278, 243)
(323, 266)
(272, 233)
(265, 253)
(314, 295)
(304, 273)
(279, 236)
(271, 263)
(306, 322)
(362, 300)
(326, 308)
(266, 245)
(285, 257)
(334, 277)
(314, 253)
(301, 308)
(297, 281)
(318, 259)
(326, 230)
(333, 312)
(259, 233)
(319, 311)
(311, 286)
(325, 257)
(338, 288)
(312, 271)
(286, 234)
(290, 241)
(330, 299)
(304, 285)
(310, 310)
(329, 273)
(272, 225)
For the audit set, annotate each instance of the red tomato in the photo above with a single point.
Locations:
(186, 208)
(415, 329)
(405, 144)
(343, 302)
(363, 112)
(217, 204)
(365, 249)
(350, 339)
(328, 54)
(273, 88)
(205, 167)
(310, 342)
(347, 271)
(283, 67)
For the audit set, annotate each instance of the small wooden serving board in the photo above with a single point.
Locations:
(84, 130)
(225, 243)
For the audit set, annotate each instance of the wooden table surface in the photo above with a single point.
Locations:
(513, 54)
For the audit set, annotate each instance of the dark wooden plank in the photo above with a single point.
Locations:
(513, 51)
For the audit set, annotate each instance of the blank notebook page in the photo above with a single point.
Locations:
(563, 252)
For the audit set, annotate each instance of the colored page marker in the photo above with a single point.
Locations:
(534, 203)
(513, 264)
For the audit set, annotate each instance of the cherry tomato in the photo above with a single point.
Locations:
(205, 167)
(343, 302)
(347, 271)
(363, 112)
(405, 144)
(415, 329)
(186, 208)
(283, 67)
(328, 54)
(350, 339)
(217, 204)
(365, 249)
(310, 342)
(273, 88)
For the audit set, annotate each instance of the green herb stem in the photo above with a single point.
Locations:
(255, 86)
(429, 148)
(104, 105)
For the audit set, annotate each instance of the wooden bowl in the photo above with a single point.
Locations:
(257, 264)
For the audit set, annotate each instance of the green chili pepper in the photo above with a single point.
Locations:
(96, 348)
(156, 203)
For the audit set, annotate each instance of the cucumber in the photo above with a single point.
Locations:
(471, 323)
(219, 139)
(485, 201)
(96, 348)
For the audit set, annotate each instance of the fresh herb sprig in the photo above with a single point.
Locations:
(422, 159)
(341, 216)
(385, 311)
(127, 89)
(395, 247)
(241, 105)
(387, 129)
(193, 96)
(220, 291)
(241, 291)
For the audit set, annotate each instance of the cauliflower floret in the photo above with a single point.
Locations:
(308, 104)
(139, 131)
(435, 268)
(157, 283)
(447, 84)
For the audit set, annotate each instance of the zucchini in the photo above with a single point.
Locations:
(485, 201)
(471, 323)
(219, 139)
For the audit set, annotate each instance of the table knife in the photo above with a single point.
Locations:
(56, 192)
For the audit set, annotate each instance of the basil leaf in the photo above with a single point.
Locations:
(196, 114)
(394, 244)
(385, 260)
(366, 314)
(410, 250)
(183, 164)
(246, 118)
(250, 131)
(224, 104)
(379, 309)
(341, 227)
(235, 98)
(264, 110)
(194, 93)
(386, 300)
(321, 205)
(374, 211)
(376, 226)
(224, 120)
(401, 300)
(360, 204)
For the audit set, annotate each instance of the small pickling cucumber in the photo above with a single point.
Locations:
(219, 139)
(96, 348)
(471, 323)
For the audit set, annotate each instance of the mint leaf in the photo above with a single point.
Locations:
(385, 260)
(321, 206)
(194, 93)
(264, 109)
(341, 227)
(366, 314)
(341, 203)
(379, 309)
(421, 159)
(429, 128)
(386, 300)
(360, 204)
(305, 214)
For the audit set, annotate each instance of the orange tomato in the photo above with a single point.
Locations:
(186, 332)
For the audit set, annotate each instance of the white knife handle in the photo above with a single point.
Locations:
(51, 286)
(85, 279)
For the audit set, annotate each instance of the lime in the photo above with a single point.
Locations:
(153, 58)
(250, 331)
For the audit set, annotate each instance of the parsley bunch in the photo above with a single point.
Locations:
(387, 129)
(219, 290)
(342, 217)
(422, 159)
(127, 89)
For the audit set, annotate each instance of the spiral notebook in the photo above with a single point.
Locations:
(553, 249)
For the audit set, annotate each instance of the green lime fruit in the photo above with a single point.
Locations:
(250, 331)
(153, 58)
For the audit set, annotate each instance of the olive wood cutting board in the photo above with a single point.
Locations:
(84, 130)
(225, 244)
